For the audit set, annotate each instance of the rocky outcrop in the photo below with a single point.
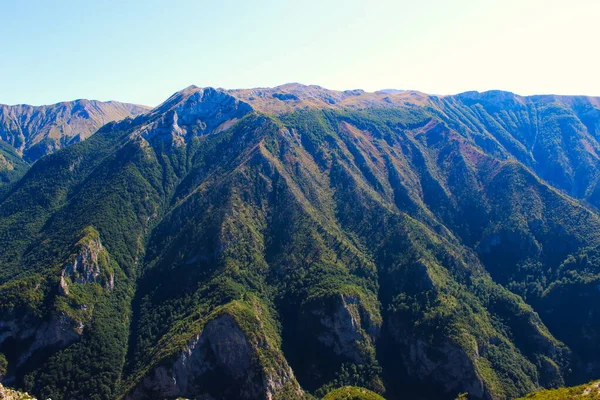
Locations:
(5, 165)
(447, 365)
(343, 325)
(31, 336)
(193, 112)
(9, 394)
(87, 264)
(219, 362)
(64, 323)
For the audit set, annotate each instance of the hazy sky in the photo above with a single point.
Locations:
(142, 51)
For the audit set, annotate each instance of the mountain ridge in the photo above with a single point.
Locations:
(26, 128)
(409, 246)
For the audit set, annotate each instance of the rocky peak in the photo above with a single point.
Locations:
(194, 111)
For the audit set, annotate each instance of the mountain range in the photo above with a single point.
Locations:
(281, 243)
(29, 132)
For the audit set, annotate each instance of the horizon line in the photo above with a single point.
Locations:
(382, 91)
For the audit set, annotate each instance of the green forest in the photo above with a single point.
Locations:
(307, 244)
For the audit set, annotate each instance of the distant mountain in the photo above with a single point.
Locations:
(280, 243)
(390, 91)
(34, 131)
(12, 166)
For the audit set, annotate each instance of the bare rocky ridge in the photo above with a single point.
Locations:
(193, 112)
(35, 131)
(295, 96)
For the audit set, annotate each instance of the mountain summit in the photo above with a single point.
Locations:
(281, 243)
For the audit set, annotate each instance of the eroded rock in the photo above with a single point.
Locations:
(344, 326)
(219, 362)
(193, 112)
(86, 265)
(57, 332)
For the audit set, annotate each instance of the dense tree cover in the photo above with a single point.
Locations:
(12, 167)
(407, 250)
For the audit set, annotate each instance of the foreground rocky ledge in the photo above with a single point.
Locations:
(9, 394)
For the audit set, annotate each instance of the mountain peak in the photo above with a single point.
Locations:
(195, 111)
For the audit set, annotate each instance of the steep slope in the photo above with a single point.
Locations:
(278, 243)
(35, 131)
(556, 136)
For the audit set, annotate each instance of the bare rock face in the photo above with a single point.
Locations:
(193, 112)
(442, 363)
(343, 325)
(57, 332)
(453, 368)
(219, 361)
(5, 165)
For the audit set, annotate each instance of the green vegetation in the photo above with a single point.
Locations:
(3, 365)
(409, 250)
(12, 166)
(589, 391)
(352, 393)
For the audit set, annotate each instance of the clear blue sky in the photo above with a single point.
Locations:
(142, 51)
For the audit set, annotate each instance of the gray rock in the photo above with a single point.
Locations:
(56, 333)
(193, 112)
(344, 325)
(221, 352)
